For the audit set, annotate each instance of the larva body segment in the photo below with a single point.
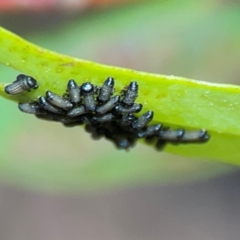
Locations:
(195, 136)
(135, 108)
(77, 111)
(143, 120)
(127, 120)
(22, 84)
(87, 90)
(74, 91)
(58, 101)
(107, 106)
(47, 106)
(30, 107)
(106, 90)
(130, 94)
(171, 135)
(150, 131)
(109, 117)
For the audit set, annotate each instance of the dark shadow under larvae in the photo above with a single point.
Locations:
(87, 90)
(22, 84)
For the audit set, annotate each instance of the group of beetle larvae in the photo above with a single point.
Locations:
(103, 114)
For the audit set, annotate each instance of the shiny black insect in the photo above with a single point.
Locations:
(104, 115)
(21, 84)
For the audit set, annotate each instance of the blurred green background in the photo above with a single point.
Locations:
(48, 171)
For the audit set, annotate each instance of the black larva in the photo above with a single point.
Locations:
(127, 120)
(47, 106)
(130, 94)
(183, 136)
(104, 115)
(74, 91)
(77, 111)
(171, 135)
(87, 90)
(143, 120)
(29, 107)
(58, 101)
(21, 84)
(109, 117)
(150, 131)
(135, 108)
(109, 105)
(106, 90)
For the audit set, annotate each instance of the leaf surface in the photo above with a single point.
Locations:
(176, 102)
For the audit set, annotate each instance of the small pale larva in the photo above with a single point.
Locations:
(74, 91)
(58, 101)
(106, 90)
(130, 94)
(21, 84)
(87, 89)
(107, 106)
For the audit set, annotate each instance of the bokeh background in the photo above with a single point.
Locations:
(56, 183)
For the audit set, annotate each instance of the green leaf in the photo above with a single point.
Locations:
(175, 101)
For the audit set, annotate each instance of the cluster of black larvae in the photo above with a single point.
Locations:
(104, 115)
